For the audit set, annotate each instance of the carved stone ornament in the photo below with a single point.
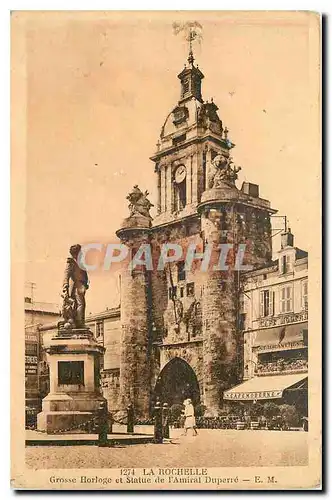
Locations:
(139, 203)
(225, 173)
(179, 310)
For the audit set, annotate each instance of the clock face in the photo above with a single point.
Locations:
(180, 174)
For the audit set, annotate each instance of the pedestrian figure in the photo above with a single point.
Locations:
(130, 419)
(158, 422)
(263, 422)
(165, 420)
(247, 419)
(190, 421)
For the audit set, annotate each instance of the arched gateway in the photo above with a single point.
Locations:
(176, 382)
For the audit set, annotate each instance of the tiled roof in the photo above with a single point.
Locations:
(300, 254)
(43, 307)
(113, 312)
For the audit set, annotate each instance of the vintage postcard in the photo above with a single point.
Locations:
(166, 244)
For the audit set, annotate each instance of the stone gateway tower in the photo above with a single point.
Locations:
(181, 324)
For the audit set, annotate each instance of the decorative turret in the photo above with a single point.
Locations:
(191, 81)
(139, 208)
(135, 308)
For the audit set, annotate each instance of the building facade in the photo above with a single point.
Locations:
(36, 370)
(274, 309)
(106, 327)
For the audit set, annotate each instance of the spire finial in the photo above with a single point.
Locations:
(191, 58)
(192, 30)
(191, 37)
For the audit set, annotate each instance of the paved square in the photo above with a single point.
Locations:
(211, 448)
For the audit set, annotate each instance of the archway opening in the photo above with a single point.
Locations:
(177, 381)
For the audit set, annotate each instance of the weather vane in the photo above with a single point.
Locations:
(192, 30)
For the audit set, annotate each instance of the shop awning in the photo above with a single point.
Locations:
(264, 387)
(283, 336)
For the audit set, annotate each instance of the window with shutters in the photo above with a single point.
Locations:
(286, 299)
(266, 303)
(286, 264)
(305, 295)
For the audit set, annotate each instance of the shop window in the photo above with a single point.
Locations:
(172, 291)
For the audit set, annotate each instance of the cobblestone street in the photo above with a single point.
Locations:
(211, 448)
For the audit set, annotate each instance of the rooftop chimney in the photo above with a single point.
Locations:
(287, 239)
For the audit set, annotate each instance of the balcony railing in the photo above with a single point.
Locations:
(283, 319)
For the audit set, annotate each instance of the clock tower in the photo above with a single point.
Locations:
(181, 328)
(191, 137)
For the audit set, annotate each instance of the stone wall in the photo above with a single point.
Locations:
(227, 223)
(110, 384)
(136, 336)
(201, 328)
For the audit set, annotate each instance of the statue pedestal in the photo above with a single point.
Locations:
(75, 394)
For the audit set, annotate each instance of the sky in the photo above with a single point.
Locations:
(99, 87)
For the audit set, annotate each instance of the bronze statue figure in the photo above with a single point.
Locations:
(75, 284)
